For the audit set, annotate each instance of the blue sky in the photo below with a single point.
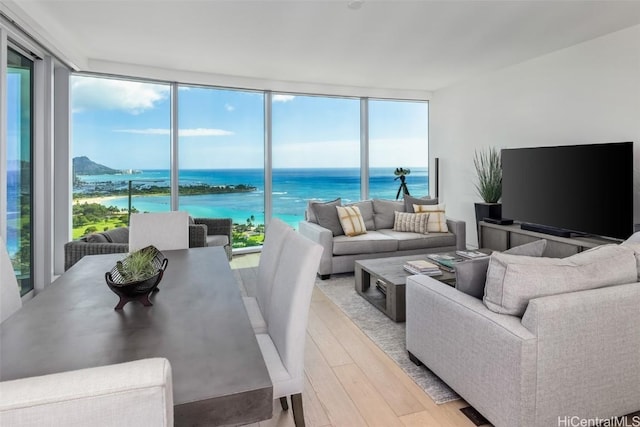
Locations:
(125, 125)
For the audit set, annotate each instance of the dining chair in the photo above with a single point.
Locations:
(256, 306)
(129, 394)
(10, 301)
(282, 346)
(164, 230)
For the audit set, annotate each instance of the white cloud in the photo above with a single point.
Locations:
(229, 107)
(92, 93)
(282, 98)
(181, 132)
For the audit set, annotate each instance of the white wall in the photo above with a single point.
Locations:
(588, 93)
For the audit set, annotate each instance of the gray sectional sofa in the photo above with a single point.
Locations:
(380, 240)
(548, 339)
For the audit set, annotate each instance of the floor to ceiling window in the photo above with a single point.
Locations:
(221, 156)
(19, 171)
(316, 152)
(121, 151)
(398, 138)
(122, 141)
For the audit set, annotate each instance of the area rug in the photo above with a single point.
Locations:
(388, 335)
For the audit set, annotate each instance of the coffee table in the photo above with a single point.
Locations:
(372, 276)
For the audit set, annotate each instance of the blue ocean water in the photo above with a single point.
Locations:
(292, 189)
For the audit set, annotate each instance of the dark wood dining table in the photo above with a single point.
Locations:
(197, 321)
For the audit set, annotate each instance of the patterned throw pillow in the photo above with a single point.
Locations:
(351, 220)
(412, 222)
(437, 220)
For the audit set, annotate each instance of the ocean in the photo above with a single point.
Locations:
(292, 189)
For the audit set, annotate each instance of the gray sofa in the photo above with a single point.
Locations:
(202, 232)
(380, 240)
(570, 351)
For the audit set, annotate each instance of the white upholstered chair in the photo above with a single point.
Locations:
(164, 230)
(10, 301)
(288, 311)
(257, 306)
(137, 393)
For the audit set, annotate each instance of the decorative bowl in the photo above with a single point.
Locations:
(137, 290)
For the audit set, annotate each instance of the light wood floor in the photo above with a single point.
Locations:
(351, 382)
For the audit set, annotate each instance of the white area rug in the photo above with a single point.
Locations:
(387, 334)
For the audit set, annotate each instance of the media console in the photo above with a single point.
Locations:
(502, 237)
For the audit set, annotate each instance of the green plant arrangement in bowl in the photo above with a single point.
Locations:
(137, 276)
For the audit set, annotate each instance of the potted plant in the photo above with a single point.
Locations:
(489, 186)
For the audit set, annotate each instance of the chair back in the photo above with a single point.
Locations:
(10, 301)
(277, 232)
(291, 298)
(164, 230)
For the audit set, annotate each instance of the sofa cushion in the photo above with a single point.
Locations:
(327, 216)
(409, 241)
(366, 210)
(351, 220)
(117, 235)
(384, 212)
(217, 240)
(412, 222)
(95, 238)
(633, 242)
(471, 274)
(513, 280)
(369, 243)
(437, 217)
(310, 214)
(409, 201)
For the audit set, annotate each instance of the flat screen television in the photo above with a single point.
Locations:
(582, 189)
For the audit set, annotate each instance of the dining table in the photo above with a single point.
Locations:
(197, 321)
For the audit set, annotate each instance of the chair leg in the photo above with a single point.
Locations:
(284, 404)
(298, 413)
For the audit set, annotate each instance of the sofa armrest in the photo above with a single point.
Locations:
(484, 356)
(324, 237)
(587, 341)
(76, 249)
(197, 235)
(216, 227)
(127, 394)
(459, 228)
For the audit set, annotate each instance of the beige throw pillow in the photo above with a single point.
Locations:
(351, 220)
(411, 222)
(437, 220)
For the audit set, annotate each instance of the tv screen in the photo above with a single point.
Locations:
(580, 188)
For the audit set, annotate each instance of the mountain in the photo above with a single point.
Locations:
(85, 166)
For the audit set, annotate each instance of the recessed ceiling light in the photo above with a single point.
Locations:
(355, 4)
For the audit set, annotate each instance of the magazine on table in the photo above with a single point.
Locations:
(472, 254)
(429, 272)
(446, 262)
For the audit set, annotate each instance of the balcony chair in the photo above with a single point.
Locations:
(257, 307)
(130, 394)
(219, 232)
(282, 345)
(10, 301)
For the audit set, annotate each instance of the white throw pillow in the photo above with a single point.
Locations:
(411, 222)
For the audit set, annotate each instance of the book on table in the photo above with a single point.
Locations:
(422, 266)
(445, 261)
(472, 254)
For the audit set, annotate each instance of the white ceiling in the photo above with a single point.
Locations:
(411, 45)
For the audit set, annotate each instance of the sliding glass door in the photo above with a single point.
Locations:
(19, 167)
